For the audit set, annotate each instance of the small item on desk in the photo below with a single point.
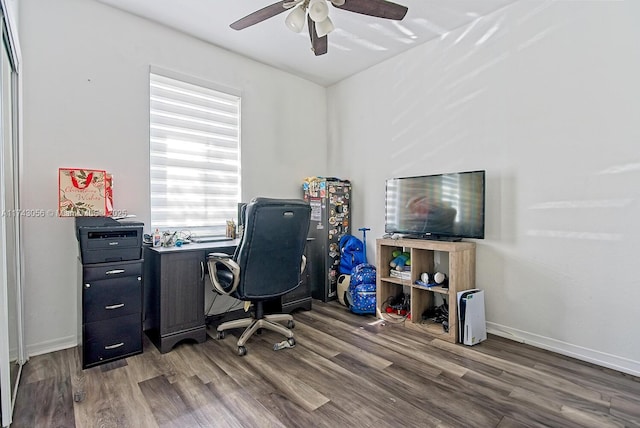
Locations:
(157, 238)
(231, 229)
(169, 239)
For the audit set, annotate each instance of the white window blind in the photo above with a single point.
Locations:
(194, 157)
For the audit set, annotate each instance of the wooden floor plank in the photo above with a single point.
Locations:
(626, 408)
(327, 340)
(166, 404)
(358, 381)
(147, 365)
(261, 389)
(93, 406)
(526, 373)
(404, 384)
(272, 366)
(569, 413)
(413, 348)
(53, 365)
(205, 407)
(345, 370)
(131, 407)
(247, 411)
(43, 403)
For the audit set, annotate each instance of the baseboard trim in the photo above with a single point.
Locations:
(614, 362)
(52, 346)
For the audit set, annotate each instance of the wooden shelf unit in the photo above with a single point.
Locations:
(459, 265)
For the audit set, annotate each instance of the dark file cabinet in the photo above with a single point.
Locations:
(111, 304)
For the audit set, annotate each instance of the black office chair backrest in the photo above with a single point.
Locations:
(271, 249)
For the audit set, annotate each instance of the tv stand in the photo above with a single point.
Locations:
(461, 270)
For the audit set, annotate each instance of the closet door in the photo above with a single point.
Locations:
(12, 353)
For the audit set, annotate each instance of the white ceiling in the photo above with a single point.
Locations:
(358, 42)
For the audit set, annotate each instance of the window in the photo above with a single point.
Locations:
(194, 156)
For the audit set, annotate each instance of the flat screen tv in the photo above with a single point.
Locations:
(443, 206)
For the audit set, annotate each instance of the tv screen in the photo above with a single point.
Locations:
(449, 206)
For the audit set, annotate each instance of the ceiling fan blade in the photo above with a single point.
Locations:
(318, 44)
(261, 15)
(377, 8)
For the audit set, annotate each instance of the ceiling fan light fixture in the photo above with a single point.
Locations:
(318, 10)
(295, 19)
(324, 27)
(337, 2)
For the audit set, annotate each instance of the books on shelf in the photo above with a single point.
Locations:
(403, 274)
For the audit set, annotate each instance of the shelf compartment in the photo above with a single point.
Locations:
(384, 290)
(435, 289)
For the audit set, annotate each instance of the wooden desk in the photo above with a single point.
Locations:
(174, 292)
(174, 287)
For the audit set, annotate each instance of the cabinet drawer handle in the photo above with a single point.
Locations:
(117, 345)
(117, 306)
(202, 270)
(114, 271)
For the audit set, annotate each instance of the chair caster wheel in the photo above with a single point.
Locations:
(292, 342)
(221, 335)
(291, 324)
(242, 351)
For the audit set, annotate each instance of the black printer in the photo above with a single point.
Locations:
(104, 239)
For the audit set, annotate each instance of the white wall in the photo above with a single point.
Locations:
(86, 105)
(545, 96)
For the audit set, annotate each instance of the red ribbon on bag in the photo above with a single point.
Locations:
(75, 183)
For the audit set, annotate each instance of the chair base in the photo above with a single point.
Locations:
(269, 322)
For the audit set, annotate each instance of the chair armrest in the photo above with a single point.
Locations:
(223, 272)
(219, 255)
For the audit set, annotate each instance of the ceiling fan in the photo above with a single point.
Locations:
(316, 13)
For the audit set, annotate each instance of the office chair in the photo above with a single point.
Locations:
(267, 263)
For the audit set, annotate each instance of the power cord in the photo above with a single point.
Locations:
(438, 315)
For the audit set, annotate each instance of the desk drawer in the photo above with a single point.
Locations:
(111, 339)
(110, 298)
(100, 271)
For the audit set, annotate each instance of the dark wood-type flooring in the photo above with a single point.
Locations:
(346, 370)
